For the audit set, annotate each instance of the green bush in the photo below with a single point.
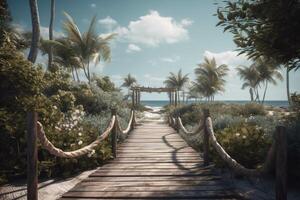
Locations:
(248, 144)
(73, 115)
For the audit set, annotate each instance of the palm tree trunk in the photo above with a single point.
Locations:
(52, 17)
(251, 94)
(35, 31)
(263, 100)
(72, 71)
(288, 85)
(76, 72)
(84, 70)
(88, 71)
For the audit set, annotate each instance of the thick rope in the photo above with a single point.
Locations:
(46, 144)
(129, 125)
(238, 168)
(196, 130)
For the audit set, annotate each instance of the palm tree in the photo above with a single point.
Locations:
(250, 75)
(268, 73)
(32, 117)
(52, 17)
(88, 45)
(210, 78)
(177, 81)
(65, 55)
(129, 81)
(193, 92)
(35, 31)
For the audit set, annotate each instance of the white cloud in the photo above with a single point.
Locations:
(153, 29)
(93, 5)
(171, 59)
(229, 58)
(45, 33)
(133, 48)
(186, 22)
(108, 23)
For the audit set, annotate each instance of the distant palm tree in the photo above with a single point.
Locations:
(177, 81)
(262, 71)
(88, 45)
(193, 93)
(129, 81)
(210, 78)
(250, 75)
(268, 73)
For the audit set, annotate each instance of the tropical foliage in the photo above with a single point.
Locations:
(177, 81)
(210, 78)
(261, 72)
(73, 114)
(129, 81)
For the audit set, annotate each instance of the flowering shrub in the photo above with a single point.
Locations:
(246, 143)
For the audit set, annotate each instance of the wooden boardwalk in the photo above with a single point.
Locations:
(154, 163)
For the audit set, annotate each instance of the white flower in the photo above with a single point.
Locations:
(79, 134)
(244, 137)
(237, 134)
(57, 128)
(54, 107)
(91, 153)
(80, 142)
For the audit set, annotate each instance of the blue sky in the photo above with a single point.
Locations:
(154, 38)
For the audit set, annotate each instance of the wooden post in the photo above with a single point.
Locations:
(139, 97)
(281, 163)
(133, 102)
(133, 120)
(176, 98)
(32, 175)
(136, 98)
(205, 138)
(177, 124)
(114, 135)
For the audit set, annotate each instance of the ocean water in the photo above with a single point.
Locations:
(161, 103)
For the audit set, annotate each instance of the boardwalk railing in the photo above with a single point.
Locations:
(277, 154)
(37, 131)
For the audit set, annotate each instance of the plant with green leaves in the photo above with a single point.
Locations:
(129, 81)
(268, 28)
(262, 71)
(210, 78)
(89, 46)
(177, 81)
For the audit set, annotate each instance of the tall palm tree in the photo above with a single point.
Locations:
(250, 75)
(31, 123)
(129, 81)
(268, 73)
(88, 45)
(52, 17)
(35, 31)
(210, 78)
(177, 81)
(65, 55)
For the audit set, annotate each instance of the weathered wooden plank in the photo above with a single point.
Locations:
(170, 194)
(141, 188)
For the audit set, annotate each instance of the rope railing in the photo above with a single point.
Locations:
(35, 130)
(46, 144)
(196, 130)
(114, 123)
(129, 126)
(277, 152)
